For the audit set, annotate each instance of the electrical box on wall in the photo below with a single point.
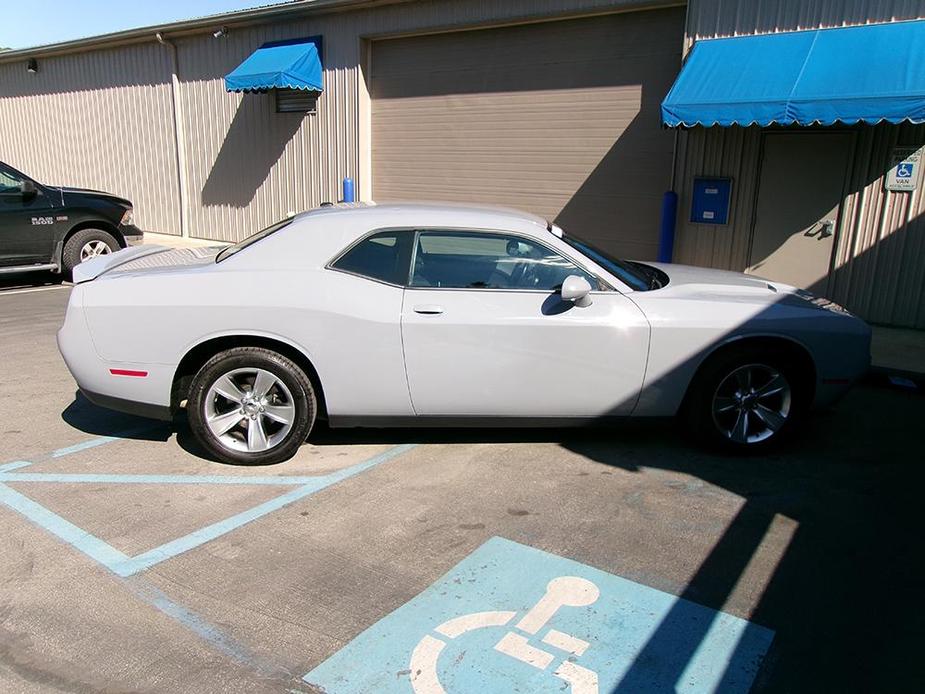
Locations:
(710, 200)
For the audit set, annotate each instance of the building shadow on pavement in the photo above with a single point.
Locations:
(842, 598)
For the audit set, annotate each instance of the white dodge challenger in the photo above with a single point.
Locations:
(449, 315)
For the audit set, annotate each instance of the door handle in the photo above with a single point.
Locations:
(428, 309)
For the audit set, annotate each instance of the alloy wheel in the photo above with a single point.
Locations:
(94, 249)
(752, 404)
(249, 410)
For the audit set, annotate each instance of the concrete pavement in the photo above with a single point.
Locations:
(816, 543)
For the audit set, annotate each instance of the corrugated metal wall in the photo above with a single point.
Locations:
(879, 259)
(101, 120)
(248, 165)
(879, 263)
(713, 18)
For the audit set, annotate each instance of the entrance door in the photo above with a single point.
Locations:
(801, 187)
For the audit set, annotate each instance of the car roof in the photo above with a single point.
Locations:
(433, 214)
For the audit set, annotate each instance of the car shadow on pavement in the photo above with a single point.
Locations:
(92, 419)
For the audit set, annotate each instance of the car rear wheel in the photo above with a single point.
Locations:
(87, 244)
(747, 400)
(251, 406)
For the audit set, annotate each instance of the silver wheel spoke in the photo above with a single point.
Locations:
(284, 414)
(266, 410)
(262, 383)
(775, 386)
(740, 430)
(227, 389)
(221, 423)
(723, 404)
(256, 435)
(773, 419)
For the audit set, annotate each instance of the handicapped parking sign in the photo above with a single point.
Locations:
(513, 618)
(904, 171)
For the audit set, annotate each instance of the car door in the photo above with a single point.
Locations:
(363, 360)
(27, 222)
(486, 333)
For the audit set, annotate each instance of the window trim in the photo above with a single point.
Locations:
(417, 231)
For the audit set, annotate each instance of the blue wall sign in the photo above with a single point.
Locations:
(710, 200)
(512, 618)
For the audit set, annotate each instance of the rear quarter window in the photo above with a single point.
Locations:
(384, 256)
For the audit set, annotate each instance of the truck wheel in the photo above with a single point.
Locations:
(87, 244)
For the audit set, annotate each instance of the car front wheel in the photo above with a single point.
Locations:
(747, 400)
(251, 406)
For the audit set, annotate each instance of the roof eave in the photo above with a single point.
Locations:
(189, 26)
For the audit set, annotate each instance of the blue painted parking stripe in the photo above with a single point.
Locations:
(16, 465)
(84, 445)
(129, 567)
(79, 539)
(66, 478)
(123, 565)
(208, 632)
(103, 440)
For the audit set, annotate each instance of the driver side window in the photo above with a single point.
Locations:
(9, 183)
(484, 260)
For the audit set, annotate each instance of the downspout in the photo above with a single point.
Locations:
(179, 136)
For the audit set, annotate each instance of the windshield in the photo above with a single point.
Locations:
(252, 239)
(628, 273)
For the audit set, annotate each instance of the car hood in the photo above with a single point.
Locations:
(70, 194)
(689, 276)
(705, 284)
(145, 260)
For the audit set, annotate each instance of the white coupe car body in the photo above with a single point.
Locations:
(386, 353)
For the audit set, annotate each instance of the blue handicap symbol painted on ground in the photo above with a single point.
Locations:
(904, 170)
(512, 618)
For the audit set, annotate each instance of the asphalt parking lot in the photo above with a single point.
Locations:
(375, 561)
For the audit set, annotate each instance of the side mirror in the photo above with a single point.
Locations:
(28, 190)
(577, 290)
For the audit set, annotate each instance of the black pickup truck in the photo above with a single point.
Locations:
(52, 228)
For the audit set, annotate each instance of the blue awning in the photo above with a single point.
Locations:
(292, 64)
(863, 74)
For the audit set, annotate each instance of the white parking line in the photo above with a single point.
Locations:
(34, 289)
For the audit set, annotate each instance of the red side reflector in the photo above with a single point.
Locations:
(128, 372)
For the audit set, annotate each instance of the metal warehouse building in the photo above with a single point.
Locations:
(554, 106)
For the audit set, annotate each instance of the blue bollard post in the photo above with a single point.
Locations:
(666, 235)
(348, 190)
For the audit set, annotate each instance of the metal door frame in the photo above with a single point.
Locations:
(848, 177)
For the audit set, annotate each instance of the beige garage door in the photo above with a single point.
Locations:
(559, 118)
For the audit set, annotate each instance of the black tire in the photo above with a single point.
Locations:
(720, 372)
(70, 256)
(297, 384)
